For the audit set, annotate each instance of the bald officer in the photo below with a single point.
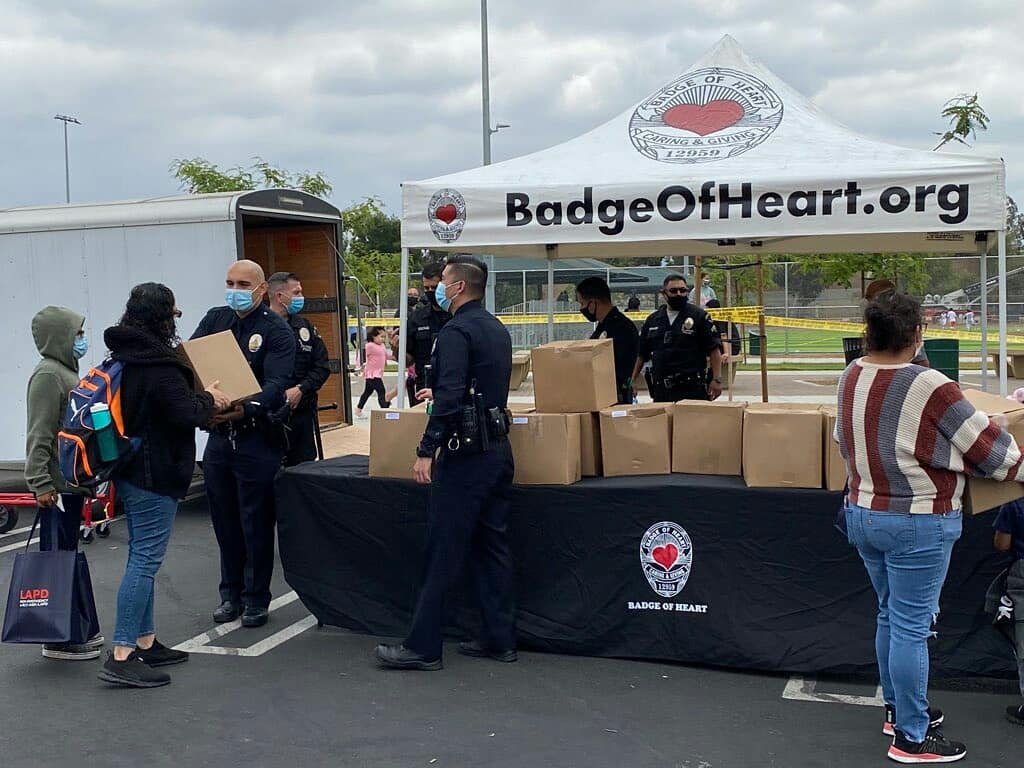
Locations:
(246, 447)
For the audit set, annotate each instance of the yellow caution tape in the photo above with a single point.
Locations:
(742, 315)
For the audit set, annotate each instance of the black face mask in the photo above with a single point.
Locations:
(677, 303)
(412, 301)
(431, 298)
(588, 313)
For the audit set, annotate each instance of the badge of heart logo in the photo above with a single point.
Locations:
(706, 115)
(666, 556)
(446, 214)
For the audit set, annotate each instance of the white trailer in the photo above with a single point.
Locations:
(88, 257)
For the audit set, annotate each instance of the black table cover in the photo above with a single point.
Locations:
(770, 583)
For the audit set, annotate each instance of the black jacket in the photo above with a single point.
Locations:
(160, 405)
(312, 366)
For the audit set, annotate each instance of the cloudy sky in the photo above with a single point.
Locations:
(374, 93)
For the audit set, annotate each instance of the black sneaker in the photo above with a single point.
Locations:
(1015, 715)
(935, 719)
(935, 748)
(70, 652)
(159, 655)
(133, 672)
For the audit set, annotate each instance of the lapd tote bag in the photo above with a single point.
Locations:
(50, 600)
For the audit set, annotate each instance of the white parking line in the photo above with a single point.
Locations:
(201, 643)
(17, 545)
(15, 532)
(799, 689)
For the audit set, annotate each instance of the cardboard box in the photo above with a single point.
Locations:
(546, 448)
(981, 494)
(636, 440)
(394, 435)
(591, 464)
(520, 369)
(833, 464)
(707, 438)
(218, 358)
(782, 446)
(574, 376)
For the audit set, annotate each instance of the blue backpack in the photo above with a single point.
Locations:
(78, 449)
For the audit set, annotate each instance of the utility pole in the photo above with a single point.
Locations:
(67, 169)
(485, 91)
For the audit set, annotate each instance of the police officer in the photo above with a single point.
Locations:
(595, 300)
(424, 324)
(245, 448)
(311, 367)
(680, 339)
(471, 486)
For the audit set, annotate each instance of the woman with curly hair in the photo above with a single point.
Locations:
(160, 406)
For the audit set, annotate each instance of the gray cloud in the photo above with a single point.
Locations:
(375, 93)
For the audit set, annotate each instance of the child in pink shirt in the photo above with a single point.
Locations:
(377, 355)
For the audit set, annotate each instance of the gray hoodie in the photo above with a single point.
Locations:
(54, 330)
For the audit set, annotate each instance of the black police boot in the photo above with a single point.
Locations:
(400, 657)
(254, 617)
(228, 611)
(477, 651)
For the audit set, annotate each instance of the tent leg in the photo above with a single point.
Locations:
(1002, 313)
(983, 274)
(552, 255)
(403, 324)
(761, 330)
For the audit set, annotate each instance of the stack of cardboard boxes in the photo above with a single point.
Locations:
(576, 430)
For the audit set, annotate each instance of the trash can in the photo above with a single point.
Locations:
(944, 356)
(853, 347)
(754, 343)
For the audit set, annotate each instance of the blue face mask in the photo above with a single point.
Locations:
(81, 346)
(238, 300)
(296, 304)
(441, 295)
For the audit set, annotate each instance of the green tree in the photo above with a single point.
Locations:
(373, 244)
(198, 175)
(966, 117)
(1014, 228)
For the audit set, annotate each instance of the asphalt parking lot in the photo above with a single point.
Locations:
(292, 694)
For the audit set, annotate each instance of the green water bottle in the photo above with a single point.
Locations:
(104, 431)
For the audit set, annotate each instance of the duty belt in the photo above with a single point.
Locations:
(677, 380)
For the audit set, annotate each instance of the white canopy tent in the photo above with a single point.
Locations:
(725, 159)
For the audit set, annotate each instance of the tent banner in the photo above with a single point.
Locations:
(943, 206)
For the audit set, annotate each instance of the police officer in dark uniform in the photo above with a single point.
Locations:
(472, 478)
(680, 340)
(595, 298)
(424, 324)
(311, 367)
(246, 447)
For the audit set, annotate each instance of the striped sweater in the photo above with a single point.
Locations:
(909, 438)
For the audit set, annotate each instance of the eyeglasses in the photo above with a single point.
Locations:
(177, 314)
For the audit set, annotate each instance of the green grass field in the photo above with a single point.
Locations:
(801, 341)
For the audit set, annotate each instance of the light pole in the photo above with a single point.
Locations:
(485, 90)
(67, 171)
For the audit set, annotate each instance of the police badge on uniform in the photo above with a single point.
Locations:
(666, 555)
(255, 342)
(304, 334)
(688, 324)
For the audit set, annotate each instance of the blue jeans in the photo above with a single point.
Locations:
(150, 517)
(906, 557)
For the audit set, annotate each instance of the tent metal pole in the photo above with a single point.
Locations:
(552, 255)
(983, 274)
(761, 330)
(1002, 312)
(403, 324)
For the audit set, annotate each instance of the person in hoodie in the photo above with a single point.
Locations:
(160, 406)
(59, 334)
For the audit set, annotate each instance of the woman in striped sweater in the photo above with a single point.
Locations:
(909, 438)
